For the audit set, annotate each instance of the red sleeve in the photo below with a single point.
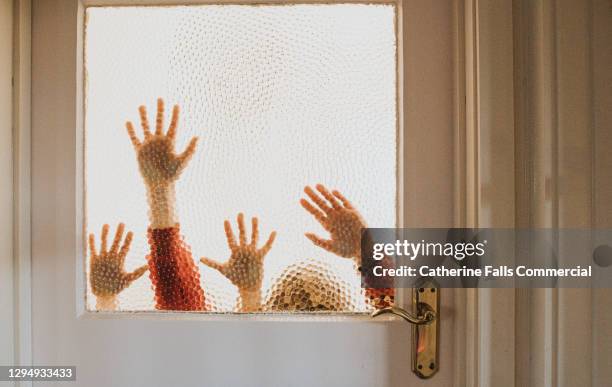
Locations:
(174, 274)
(381, 294)
(380, 298)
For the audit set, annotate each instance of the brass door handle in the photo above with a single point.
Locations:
(422, 319)
(425, 318)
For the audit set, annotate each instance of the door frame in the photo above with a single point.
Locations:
(22, 172)
(21, 310)
(487, 44)
(536, 129)
(6, 184)
(462, 310)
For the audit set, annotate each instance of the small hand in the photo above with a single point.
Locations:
(158, 162)
(106, 274)
(337, 216)
(245, 265)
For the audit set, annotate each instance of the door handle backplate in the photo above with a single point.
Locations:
(425, 318)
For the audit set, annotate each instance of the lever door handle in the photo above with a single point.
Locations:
(424, 318)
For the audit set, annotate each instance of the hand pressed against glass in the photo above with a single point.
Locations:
(107, 275)
(174, 273)
(341, 219)
(337, 216)
(245, 265)
(158, 162)
(160, 166)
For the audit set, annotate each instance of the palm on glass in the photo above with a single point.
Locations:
(245, 265)
(158, 162)
(338, 217)
(107, 274)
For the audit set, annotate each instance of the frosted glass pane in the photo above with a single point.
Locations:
(280, 97)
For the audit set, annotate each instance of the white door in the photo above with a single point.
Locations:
(154, 350)
(469, 72)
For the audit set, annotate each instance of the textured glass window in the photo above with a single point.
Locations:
(280, 97)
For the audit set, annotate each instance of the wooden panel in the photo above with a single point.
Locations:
(575, 142)
(6, 183)
(563, 126)
(601, 62)
(428, 114)
(496, 180)
(536, 179)
(428, 159)
(22, 181)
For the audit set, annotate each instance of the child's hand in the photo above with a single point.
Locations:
(106, 270)
(245, 265)
(159, 164)
(337, 216)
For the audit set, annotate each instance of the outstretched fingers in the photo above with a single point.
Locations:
(126, 245)
(264, 250)
(117, 240)
(320, 216)
(347, 204)
(159, 121)
(214, 264)
(184, 157)
(130, 129)
(229, 234)
(92, 246)
(241, 229)
(173, 123)
(317, 200)
(330, 198)
(133, 276)
(323, 243)
(159, 126)
(104, 239)
(144, 121)
(254, 232)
